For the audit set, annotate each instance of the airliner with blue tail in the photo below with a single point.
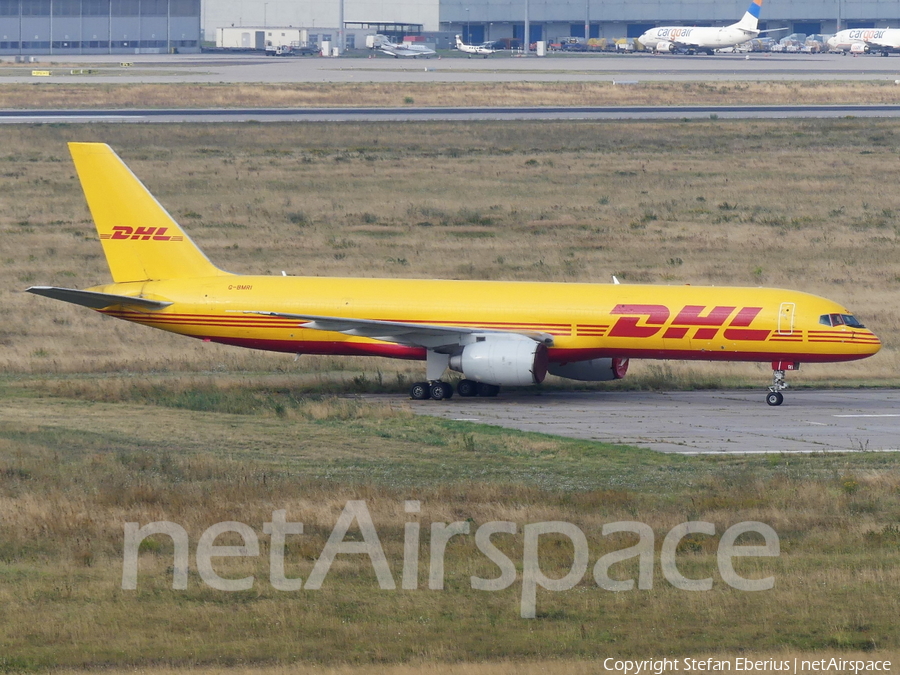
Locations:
(693, 39)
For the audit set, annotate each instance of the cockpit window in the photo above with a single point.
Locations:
(840, 320)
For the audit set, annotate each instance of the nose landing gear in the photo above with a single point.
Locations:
(775, 397)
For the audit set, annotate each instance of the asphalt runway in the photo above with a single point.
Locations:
(619, 68)
(236, 115)
(704, 422)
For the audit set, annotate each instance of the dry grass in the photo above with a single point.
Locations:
(61, 95)
(73, 471)
(797, 204)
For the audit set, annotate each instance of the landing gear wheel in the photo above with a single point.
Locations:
(467, 388)
(488, 389)
(774, 398)
(440, 390)
(419, 391)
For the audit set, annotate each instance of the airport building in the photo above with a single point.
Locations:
(486, 20)
(165, 26)
(61, 27)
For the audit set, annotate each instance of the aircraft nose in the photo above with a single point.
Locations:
(867, 342)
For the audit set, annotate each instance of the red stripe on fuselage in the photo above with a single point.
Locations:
(280, 322)
(352, 348)
(556, 355)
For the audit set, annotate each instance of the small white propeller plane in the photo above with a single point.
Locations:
(484, 50)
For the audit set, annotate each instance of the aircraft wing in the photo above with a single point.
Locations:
(398, 50)
(691, 43)
(425, 335)
(884, 44)
(95, 300)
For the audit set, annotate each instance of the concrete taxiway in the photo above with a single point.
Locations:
(617, 68)
(236, 115)
(696, 422)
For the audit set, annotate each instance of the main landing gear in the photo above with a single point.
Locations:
(775, 397)
(437, 390)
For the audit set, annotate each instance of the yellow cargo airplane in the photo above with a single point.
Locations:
(492, 332)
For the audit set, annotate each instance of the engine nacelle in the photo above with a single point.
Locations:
(665, 46)
(503, 361)
(859, 48)
(595, 370)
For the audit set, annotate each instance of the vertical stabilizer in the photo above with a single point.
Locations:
(750, 20)
(140, 239)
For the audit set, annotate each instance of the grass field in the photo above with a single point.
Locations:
(74, 471)
(808, 205)
(103, 423)
(59, 94)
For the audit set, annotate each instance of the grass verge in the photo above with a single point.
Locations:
(72, 472)
(303, 95)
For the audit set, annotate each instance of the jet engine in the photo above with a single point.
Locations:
(665, 46)
(595, 370)
(505, 360)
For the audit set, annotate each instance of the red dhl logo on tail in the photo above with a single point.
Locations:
(644, 321)
(141, 234)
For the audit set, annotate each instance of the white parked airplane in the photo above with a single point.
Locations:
(412, 50)
(484, 50)
(864, 40)
(382, 43)
(705, 38)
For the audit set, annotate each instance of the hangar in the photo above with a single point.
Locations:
(99, 26)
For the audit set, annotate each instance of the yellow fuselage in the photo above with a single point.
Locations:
(586, 320)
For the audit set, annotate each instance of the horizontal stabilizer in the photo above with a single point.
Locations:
(95, 300)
